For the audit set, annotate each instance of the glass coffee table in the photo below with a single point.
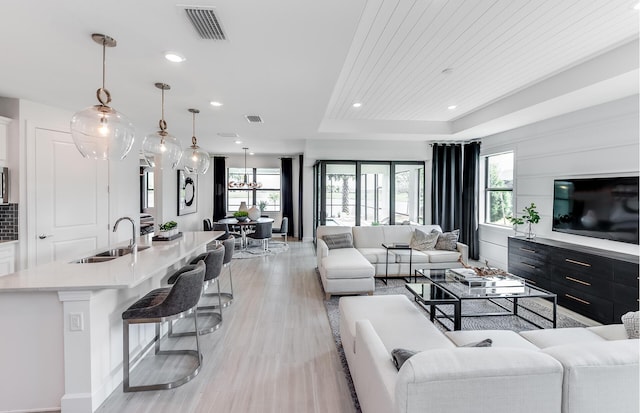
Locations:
(430, 295)
(505, 295)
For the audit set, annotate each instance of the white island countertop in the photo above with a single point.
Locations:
(123, 272)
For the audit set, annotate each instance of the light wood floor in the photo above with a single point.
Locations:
(273, 353)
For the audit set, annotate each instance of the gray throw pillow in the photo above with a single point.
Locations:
(335, 241)
(447, 241)
(631, 321)
(423, 241)
(400, 355)
(487, 342)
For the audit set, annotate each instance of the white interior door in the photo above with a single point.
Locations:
(71, 199)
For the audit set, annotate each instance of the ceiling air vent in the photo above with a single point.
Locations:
(228, 134)
(206, 23)
(253, 118)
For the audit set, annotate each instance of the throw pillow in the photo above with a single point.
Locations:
(487, 342)
(423, 241)
(336, 241)
(400, 355)
(447, 241)
(631, 321)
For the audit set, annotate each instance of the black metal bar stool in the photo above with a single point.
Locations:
(213, 260)
(159, 306)
(226, 297)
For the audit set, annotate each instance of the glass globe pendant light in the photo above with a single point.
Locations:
(161, 148)
(194, 159)
(101, 132)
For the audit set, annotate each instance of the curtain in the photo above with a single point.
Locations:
(446, 196)
(286, 188)
(219, 188)
(300, 200)
(470, 199)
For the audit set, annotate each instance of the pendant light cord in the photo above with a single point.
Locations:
(163, 123)
(194, 141)
(103, 89)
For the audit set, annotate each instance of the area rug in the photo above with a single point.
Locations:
(256, 251)
(396, 286)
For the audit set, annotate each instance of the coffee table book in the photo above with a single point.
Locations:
(472, 279)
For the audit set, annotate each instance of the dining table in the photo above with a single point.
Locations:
(244, 226)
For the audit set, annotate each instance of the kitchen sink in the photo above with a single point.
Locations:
(108, 255)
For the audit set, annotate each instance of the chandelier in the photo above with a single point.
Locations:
(245, 183)
(101, 132)
(194, 159)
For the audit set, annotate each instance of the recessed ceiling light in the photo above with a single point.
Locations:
(251, 153)
(452, 107)
(216, 104)
(357, 105)
(637, 6)
(238, 142)
(174, 57)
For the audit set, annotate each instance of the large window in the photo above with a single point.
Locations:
(498, 188)
(266, 194)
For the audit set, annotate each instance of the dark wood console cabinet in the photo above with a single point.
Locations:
(598, 284)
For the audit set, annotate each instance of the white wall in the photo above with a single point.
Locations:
(599, 141)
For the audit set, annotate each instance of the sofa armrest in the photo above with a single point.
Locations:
(497, 380)
(374, 375)
(463, 249)
(321, 251)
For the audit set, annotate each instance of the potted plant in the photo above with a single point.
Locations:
(168, 229)
(530, 216)
(241, 216)
(262, 205)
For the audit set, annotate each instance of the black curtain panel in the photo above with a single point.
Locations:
(219, 187)
(286, 187)
(300, 185)
(446, 185)
(470, 198)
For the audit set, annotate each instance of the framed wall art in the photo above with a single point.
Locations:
(187, 193)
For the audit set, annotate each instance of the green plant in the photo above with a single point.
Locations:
(240, 214)
(262, 205)
(169, 225)
(529, 216)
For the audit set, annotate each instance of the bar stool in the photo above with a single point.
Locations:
(159, 306)
(226, 297)
(213, 260)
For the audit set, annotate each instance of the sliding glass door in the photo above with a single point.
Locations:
(368, 193)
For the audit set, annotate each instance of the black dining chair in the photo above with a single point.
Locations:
(263, 233)
(284, 229)
(206, 224)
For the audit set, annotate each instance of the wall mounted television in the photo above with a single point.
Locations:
(597, 207)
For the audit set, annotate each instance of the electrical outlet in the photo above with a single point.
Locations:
(76, 322)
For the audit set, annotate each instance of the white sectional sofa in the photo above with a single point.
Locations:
(351, 270)
(570, 370)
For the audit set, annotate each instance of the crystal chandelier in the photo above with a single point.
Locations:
(194, 159)
(245, 183)
(161, 148)
(101, 132)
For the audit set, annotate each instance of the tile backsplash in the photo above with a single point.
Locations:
(8, 222)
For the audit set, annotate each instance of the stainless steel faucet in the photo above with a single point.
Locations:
(132, 243)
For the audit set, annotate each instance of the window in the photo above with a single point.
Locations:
(266, 194)
(147, 198)
(498, 188)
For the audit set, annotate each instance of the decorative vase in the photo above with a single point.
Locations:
(530, 234)
(243, 206)
(254, 213)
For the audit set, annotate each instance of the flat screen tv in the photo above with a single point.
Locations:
(597, 207)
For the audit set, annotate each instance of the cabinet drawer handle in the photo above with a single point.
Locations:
(528, 250)
(578, 281)
(584, 264)
(528, 265)
(577, 299)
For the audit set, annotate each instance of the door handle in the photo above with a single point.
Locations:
(43, 236)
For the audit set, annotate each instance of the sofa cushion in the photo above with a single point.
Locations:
(369, 237)
(442, 256)
(610, 331)
(559, 336)
(500, 338)
(447, 241)
(423, 241)
(404, 255)
(631, 321)
(397, 233)
(375, 255)
(337, 241)
(400, 355)
(347, 263)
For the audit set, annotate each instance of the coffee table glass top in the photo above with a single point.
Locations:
(453, 284)
(430, 293)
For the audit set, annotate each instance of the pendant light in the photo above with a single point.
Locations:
(247, 183)
(101, 132)
(161, 148)
(194, 159)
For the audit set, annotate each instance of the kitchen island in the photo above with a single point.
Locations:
(61, 346)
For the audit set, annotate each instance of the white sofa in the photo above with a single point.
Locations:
(351, 270)
(570, 370)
